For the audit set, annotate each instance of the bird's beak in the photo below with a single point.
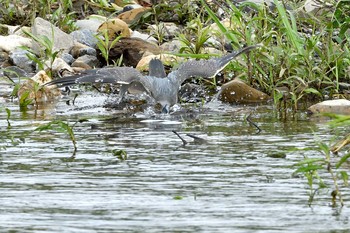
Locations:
(165, 109)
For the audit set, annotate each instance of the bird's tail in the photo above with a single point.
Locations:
(63, 82)
(227, 58)
(72, 80)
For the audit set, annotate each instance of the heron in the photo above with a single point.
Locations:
(163, 88)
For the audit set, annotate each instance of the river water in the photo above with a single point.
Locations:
(231, 182)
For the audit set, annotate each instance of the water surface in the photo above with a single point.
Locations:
(230, 183)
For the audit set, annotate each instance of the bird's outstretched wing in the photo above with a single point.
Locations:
(205, 68)
(121, 75)
(156, 68)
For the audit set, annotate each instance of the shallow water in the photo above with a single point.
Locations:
(230, 183)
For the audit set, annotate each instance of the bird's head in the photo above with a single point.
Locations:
(166, 109)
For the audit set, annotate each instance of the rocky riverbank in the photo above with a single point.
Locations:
(98, 41)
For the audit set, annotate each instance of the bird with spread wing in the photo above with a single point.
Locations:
(163, 88)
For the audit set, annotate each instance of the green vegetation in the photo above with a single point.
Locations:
(105, 45)
(333, 168)
(301, 54)
(48, 53)
(63, 127)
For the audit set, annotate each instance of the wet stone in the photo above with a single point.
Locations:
(340, 106)
(14, 72)
(19, 58)
(237, 91)
(68, 58)
(86, 37)
(3, 57)
(89, 60)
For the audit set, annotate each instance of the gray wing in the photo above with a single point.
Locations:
(121, 75)
(156, 68)
(205, 68)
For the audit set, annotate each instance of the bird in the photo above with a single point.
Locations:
(163, 88)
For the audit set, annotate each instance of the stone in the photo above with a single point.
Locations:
(167, 30)
(133, 16)
(68, 58)
(130, 7)
(145, 37)
(19, 58)
(173, 46)
(91, 24)
(167, 60)
(12, 42)
(87, 51)
(339, 106)
(61, 40)
(86, 37)
(132, 49)
(237, 91)
(77, 48)
(14, 72)
(89, 60)
(4, 57)
(80, 50)
(43, 94)
(115, 27)
(58, 65)
(212, 42)
(310, 6)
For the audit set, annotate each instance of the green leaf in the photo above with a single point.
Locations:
(291, 30)
(222, 28)
(342, 160)
(313, 91)
(310, 161)
(8, 111)
(24, 100)
(345, 177)
(121, 154)
(309, 168)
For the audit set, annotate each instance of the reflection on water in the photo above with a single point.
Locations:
(228, 184)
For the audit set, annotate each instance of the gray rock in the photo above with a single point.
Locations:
(68, 58)
(86, 37)
(87, 51)
(168, 30)
(19, 58)
(131, 7)
(89, 60)
(14, 72)
(212, 42)
(172, 46)
(3, 57)
(61, 40)
(91, 24)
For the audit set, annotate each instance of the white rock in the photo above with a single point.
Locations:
(11, 42)
(310, 6)
(136, 34)
(89, 24)
(58, 64)
(339, 106)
